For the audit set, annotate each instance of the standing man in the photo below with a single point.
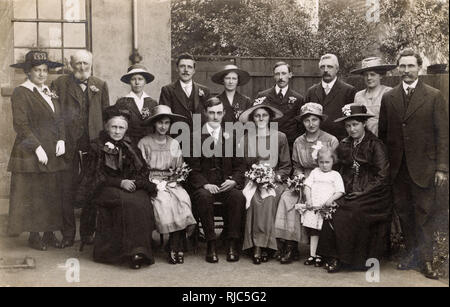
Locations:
(282, 97)
(332, 93)
(414, 126)
(83, 99)
(218, 178)
(185, 97)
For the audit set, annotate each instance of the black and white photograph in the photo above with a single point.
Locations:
(226, 149)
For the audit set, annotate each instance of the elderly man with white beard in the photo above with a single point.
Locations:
(82, 98)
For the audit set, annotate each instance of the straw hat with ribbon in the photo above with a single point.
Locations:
(259, 103)
(373, 64)
(162, 110)
(36, 58)
(243, 76)
(311, 108)
(137, 69)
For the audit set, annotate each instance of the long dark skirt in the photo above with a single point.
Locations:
(125, 223)
(359, 230)
(35, 203)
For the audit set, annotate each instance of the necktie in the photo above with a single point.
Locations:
(82, 84)
(327, 89)
(280, 95)
(410, 91)
(188, 90)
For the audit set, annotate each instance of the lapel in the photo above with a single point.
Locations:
(74, 89)
(133, 107)
(274, 96)
(195, 92)
(334, 90)
(229, 110)
(398, 101)
(320, 93)
(44, 103)
(417, 100)
(179, 93)
(89, 91)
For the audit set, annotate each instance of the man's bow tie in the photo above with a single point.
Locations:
(85, 82)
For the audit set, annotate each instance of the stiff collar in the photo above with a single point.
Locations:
(330, 84)
(212, 131)
(413, 85)
(283, 90)
(186, 84)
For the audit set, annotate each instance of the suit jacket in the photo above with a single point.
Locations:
(173, 96)
(233, 167)
(36, 125)
(290, 106)
(240, 104)
(136, 129)
(70, 100)
(419, 132)
(340, 95)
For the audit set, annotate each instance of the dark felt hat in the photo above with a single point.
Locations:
(36, 58)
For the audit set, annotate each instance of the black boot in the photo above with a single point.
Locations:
(232, 254)
(288, 256)
(211, 252)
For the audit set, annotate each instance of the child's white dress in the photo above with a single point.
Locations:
(323, 186)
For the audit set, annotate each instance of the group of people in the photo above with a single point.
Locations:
(361, 153)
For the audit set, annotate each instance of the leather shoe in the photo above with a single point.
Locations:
(180, 257)
(409, 262)
(172, 257)
(318, 262)
(333, 266)
(50, 239)
(428, 271)
(87, 240)
(264, 256)
(232, 255)
(277, 255)
(67, 243)
(288, 256)
(211, 253)
(310, 261)
(35, 241)
(136, 262)
(256, 259)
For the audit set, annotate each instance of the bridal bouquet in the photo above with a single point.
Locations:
(263, 175)
(297, 183)
(181, 173)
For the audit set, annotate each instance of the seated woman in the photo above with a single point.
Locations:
(117, 183)
(259, 232)
(304, 159)
(172, 205)
(360, 228)
(137, 101)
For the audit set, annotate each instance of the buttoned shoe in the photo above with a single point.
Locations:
(428, 271)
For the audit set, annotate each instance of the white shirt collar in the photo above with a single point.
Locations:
(212, 131)
(283, 90)
(330, 84)
(31, 86)
(413, 85)
(186, 84)
(133, 95)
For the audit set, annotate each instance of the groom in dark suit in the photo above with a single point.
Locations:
(414, 126)
(333, 94)
(285, 99)
(215, 177)
(83, 99)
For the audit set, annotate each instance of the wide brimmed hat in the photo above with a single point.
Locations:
(137, 69)
(36, 58)
(162, 110)
(243, 76)
(373, 63)
(259, 103)
(115, 111)
(311, 108)
(353, 110)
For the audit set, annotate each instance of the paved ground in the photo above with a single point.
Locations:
(195, 272)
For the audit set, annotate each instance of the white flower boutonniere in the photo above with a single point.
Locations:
(110, 145)
(145, 113)
(259, 100)
(201, 93)
(94, 88)
(292, 100)
(316, 148)
(51, 94)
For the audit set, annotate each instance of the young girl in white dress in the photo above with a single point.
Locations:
(322, 187)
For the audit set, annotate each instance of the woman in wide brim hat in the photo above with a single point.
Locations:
(172, 205)
(373, 70)
(37, 158)
(352, 111)
(259, 232)
(137, 101)
(288, 228)
(234, 102)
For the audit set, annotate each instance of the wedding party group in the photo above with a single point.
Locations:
(328, 168)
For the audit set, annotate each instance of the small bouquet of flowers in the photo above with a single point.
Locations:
(297, 183)
(263, 175)
(327, 212)
(180, 174)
